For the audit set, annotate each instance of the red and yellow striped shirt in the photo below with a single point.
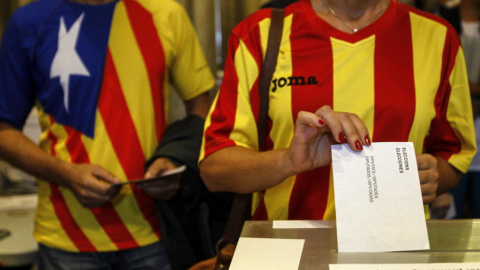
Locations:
(404, 76)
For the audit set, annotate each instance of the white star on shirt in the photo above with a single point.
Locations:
(67, 61)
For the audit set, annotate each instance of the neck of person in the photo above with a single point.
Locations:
(92, 2)
(350, 15)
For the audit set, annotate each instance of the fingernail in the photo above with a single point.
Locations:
(342, 138)
(321, 122)
(367, 140)
(358, 145)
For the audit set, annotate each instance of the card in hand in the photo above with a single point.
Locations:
(158, 177)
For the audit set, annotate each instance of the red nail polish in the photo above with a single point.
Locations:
(367, 140)
(358, 145)
(321, 122)
(342, 138)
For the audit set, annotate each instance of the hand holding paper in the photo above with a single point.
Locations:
(149, 179)
(316, 132)
(378, 199)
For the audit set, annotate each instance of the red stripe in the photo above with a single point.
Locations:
(75, 146)
(106, 215)
(260, 212)
(442, 140)
(62, 212)
(153, 57)
(314, 183)
(394, 83)
(123, 136)
(69, 225)
(223, 115)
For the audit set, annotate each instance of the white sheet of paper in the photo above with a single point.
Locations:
(298, 224)
(425, 266)
(378, 200)
(267, 253)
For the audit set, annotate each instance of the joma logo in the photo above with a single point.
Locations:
(297, 80)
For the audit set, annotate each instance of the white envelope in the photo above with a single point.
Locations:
(378, 199)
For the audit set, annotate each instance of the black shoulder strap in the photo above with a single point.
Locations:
(241, 205)
(269, 63)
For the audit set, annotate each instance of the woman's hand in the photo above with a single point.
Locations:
(316, 132)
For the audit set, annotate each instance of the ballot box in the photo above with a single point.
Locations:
(451, 241)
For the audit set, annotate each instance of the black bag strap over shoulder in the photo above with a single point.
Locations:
(268, 67)
(241, 205)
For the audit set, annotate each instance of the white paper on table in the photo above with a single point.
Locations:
(378, 199)
(267, 253)
(410, 266)
(298, 224)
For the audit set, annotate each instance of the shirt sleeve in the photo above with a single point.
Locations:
(190, 73)
(452, 133)
(232, 118)
(16, 90)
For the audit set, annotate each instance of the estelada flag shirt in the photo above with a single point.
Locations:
(99, 77)
(403, 75)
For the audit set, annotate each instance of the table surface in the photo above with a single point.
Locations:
(451, 241)
(16, 215)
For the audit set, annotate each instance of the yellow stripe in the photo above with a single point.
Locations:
(44, 122)
(61, 151)
(277, 198)
(208, 121)
(460, 116)
(132, 72)
(47, 226)
(427, 70)
(100, 152)
(348, 60)
(357, 94)
(244, 131)
(426, 210)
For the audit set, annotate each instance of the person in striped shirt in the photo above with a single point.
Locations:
(98, 71)
(348, 71)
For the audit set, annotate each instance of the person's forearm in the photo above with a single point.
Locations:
(241, 170)
(21, 152)
(448, 176)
